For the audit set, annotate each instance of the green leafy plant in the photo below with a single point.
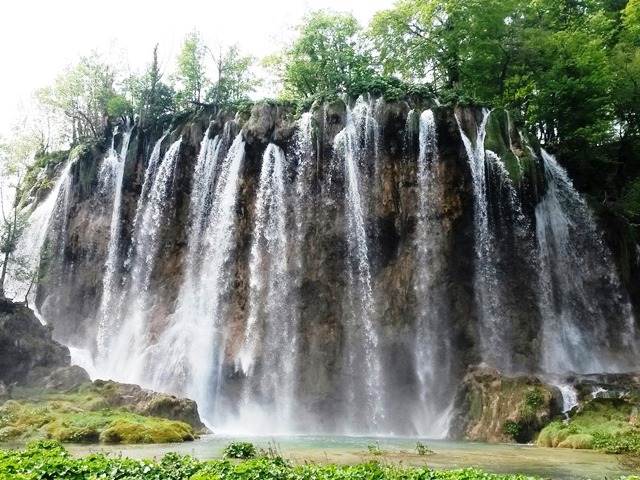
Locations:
(511, 428)
(239, 450)
(423, 449)
(374, 450)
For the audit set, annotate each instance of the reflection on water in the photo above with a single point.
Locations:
(505, 459)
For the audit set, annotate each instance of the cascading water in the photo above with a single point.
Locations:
(493, 329)
(271, 326)
(29, 249)
(120, 357)
(111, 176)
(432, 351)
(350, 145)
(198, 329)
(315, 286)
(582, 303)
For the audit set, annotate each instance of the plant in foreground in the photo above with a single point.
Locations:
(239, 450)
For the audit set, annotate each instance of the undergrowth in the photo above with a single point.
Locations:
(48, 460)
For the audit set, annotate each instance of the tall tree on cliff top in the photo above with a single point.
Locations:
(82, 92)
(329, 56)
(235, 81)
(191, 73)
(468, 45)
(153, 100)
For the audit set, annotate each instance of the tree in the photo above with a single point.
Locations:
(14, 158)
(153, 100)
(467, 45)
(82, 92)
(191, 74)
(235, 80)
(329, 55)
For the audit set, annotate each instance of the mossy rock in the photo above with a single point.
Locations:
(124, 431)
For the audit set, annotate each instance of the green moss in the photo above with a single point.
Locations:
(602, 424)
(154, 431)
(75, 418)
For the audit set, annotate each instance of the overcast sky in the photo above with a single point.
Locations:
(38, 38)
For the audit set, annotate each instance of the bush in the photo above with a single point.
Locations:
(374, 450)
(423, 449)
(239, 450)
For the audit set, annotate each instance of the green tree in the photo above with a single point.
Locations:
(153, 100)
(467, 45)
(191, 74)
(329, 55)
(235, 81)
(82, 92)
(15, 156)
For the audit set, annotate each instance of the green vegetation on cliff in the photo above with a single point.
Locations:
(602, 424)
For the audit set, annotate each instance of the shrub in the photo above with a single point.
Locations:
(239, 450)
(423, 449)
(511, 428)
(374, 450)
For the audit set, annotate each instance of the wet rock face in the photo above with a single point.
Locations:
(492, 408)
(27, 351)
(394, 235)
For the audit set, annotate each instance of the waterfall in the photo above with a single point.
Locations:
(583, 305)
(333, 283)
(190, 352)
(271, 327)
(569, 397)
(121, 357)
(432, 350)
(30, 245)
(494, 329)
(351, 146)
(111, 176)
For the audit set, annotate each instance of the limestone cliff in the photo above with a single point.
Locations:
(349, 265)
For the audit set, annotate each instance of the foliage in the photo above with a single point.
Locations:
(47, 459)
(191, 73)
(511, 428)
(423, 449)
(118, 106)
(153, 100)
(328, 57)
(374, 450)
(534, 399)
(82, 92)
(235, 80)
(239, 450)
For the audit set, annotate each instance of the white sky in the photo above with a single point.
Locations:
(38, 38)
